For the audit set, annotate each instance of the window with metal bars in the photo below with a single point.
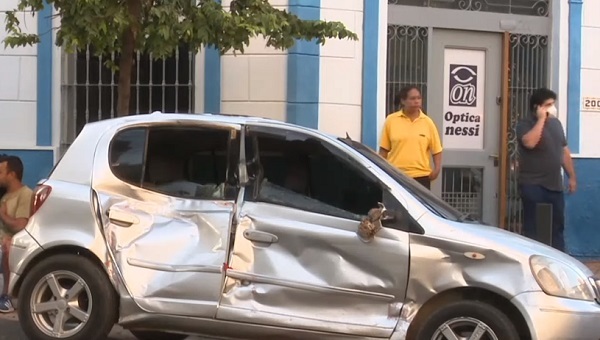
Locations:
(528, 71)
(406, 62)
(90, 88)
(521, 7)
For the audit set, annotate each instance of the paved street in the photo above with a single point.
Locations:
(10, 330)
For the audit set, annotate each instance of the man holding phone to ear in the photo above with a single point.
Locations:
(543, 152)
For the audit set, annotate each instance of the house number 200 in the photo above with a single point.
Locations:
(591, 104)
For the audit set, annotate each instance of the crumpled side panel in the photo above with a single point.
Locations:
(317, 275)
(439, 265)
(171, 249)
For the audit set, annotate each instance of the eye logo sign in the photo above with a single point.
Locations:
(463, 85)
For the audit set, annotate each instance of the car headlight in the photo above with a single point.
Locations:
(559, 279)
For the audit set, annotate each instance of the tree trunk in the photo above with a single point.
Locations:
(125, 66)
(126, 58)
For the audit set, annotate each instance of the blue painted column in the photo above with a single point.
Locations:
(303, 71)
(581, 210)
(574, 77)
(212, 80)
(44, 77)
(370, 73)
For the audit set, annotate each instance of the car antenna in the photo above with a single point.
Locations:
(348, 136)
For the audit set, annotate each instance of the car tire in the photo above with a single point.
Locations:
(463, 317)
(93, 296)
(152, 335)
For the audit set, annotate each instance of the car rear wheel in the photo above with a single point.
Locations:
(67, 297)
(152, 335)
(467, 320)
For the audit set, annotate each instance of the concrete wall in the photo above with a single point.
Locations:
(311, 85)
(25, 96)
(18, 87)
(254, 83)
(560, 56)
(340, 97)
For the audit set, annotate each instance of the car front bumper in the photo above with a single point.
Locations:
(550, 317)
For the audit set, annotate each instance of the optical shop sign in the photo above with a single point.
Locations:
(464, 79)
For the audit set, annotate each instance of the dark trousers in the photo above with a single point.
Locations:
(425, 181)
(531, 196)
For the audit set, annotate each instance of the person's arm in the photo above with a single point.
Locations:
(437, 166)
(568, 163)
(531, 139)
(14, 224)
(435, 145)
(385, 144)
(383, 152)
(22, 213)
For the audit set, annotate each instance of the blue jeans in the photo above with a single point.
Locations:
(531, 196)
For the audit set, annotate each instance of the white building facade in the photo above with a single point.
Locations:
(347, 87)
(25, 99)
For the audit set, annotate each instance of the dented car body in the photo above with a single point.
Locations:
(190, 224)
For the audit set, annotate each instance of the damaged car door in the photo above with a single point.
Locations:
(298, 260)
(165, 196)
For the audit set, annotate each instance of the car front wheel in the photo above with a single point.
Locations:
(67, 297)
(467, 320)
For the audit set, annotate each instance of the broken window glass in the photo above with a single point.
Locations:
(186, 162)
(304, 173)
(127, 155)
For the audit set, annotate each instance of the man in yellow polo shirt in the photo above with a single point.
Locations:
(409, 139)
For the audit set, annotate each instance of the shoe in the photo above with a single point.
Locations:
(6, 305)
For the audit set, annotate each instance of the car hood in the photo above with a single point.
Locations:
(506, 242)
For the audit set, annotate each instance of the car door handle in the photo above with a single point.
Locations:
(122, 219)
(260, 236)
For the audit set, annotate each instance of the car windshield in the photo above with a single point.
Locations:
(426, 197)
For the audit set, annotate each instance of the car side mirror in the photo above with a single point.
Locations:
(372, 223)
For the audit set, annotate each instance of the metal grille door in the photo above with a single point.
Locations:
(89, 88)
(462, 188)
(528, 71)
(406, 61)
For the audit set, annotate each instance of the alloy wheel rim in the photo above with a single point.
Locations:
(61, 304)
(464, 328)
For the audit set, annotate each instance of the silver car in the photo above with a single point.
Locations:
(249, 228)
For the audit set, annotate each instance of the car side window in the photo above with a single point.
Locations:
(186, 162)
(307, 175)
(127, 155)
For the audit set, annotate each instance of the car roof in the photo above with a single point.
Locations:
(79, 152)
(157, 117)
